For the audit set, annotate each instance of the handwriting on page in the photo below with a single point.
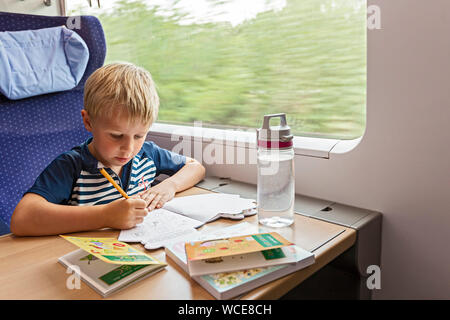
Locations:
(158, 227)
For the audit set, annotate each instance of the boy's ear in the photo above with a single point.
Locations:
(86, 120)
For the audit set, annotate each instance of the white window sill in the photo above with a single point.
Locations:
(303, 146)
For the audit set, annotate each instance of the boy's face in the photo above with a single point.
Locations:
(115, 139)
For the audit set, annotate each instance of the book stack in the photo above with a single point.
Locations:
(108, 265)
(228, 267)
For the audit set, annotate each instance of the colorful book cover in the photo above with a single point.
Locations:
(225, 281)
(111, 250)
(211, 249)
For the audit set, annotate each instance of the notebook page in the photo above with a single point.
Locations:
(159, 225)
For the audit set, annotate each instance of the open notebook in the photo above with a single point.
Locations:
(182, 215)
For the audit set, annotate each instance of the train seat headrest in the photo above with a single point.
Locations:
(35, 62)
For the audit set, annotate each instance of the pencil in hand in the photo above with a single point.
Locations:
(107, 176)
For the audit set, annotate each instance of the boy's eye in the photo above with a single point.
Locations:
(116, 136)
(138, 137)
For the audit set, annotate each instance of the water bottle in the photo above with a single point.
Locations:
(276, 177)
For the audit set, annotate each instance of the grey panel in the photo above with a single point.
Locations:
(342, 214)
(246, 190)
(211, 183)
(308, 206)
(312, 207)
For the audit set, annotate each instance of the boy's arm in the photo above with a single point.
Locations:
(189, 175)
(35, 216)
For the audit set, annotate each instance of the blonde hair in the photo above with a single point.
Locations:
(125, 86)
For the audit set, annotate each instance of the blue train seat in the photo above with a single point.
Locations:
(35, 130)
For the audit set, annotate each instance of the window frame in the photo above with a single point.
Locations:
(303, 146)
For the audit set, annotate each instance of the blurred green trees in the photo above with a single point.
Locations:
(308, 60)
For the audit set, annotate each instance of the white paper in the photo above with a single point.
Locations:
(208, 207)
(163, 239)
(158, 226)
(237, 206)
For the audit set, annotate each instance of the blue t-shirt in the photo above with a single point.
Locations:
(74, 178)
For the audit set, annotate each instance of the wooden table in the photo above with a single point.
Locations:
(29, 268)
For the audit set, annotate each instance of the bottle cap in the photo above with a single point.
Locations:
(275, 137)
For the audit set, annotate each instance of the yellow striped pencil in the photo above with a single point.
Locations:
(107, 176)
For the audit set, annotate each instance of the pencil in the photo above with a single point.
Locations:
(107, 176)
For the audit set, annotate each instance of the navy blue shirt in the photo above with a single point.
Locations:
(74, 177)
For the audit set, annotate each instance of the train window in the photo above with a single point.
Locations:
(226, 63)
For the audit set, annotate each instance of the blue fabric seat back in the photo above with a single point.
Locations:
(35, 130)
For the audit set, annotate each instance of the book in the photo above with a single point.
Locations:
(108, 265)
(183, 215)
(237, 253)
(231, 284)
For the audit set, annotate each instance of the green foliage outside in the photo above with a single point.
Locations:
(300, 60)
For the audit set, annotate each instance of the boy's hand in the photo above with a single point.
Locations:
(157, 196)
(125, 213)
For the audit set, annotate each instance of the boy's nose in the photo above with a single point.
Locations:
(127, 146)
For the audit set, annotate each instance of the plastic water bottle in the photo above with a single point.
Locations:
(276, 177)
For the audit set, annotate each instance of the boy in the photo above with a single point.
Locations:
(120, 105)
